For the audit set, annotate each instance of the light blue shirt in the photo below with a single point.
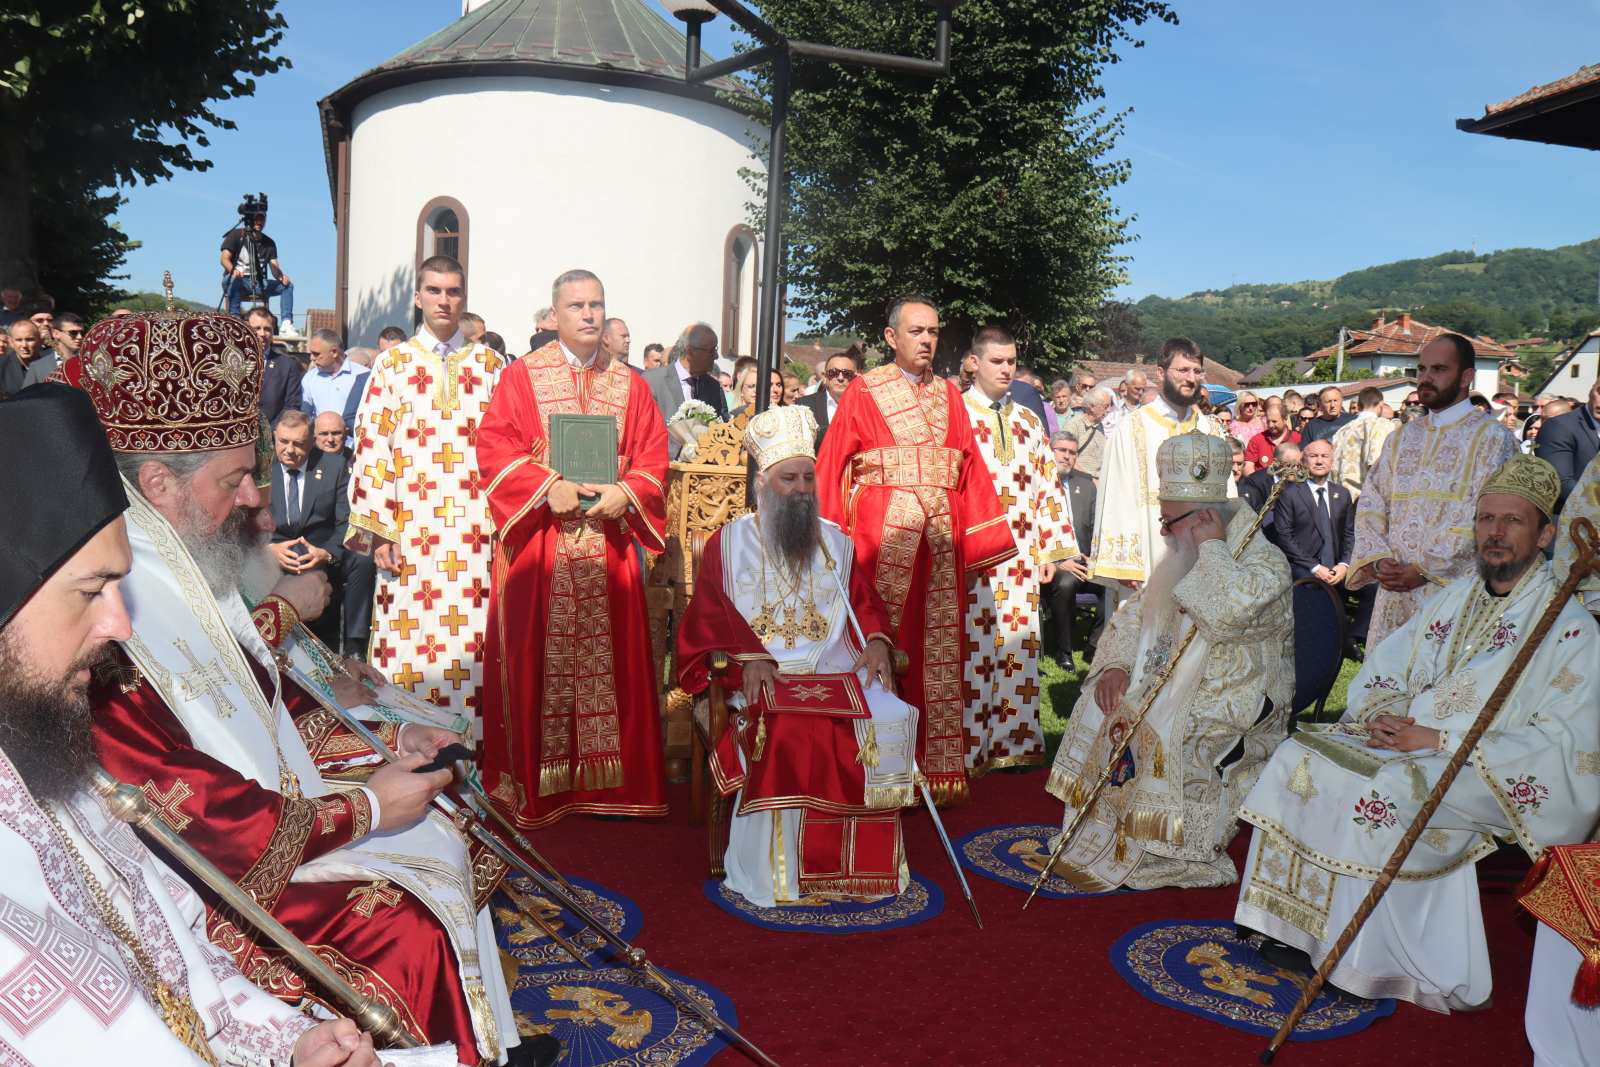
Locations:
(321, 392)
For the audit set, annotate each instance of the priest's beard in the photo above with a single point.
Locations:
(229, 556)
(789, 524)
(44, 725)
(1509, 571)
(1159, 609)
(1173, 394)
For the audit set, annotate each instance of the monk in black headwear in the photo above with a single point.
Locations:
(69, 867)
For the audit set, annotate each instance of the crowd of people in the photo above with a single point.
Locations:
(261, 545)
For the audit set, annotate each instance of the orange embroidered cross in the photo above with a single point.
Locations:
(167, 804)
(453, 620)
(447, 457)
(815, 691)
(369, 897)
(457, 674)
(452, 565)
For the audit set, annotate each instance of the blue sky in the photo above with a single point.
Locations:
(1269, 141)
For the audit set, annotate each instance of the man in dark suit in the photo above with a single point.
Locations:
(1316, 520)
(1568, 442)
(310, 511)
(1072, 576)
(280, 381)
(688, 375)
(1256, 488)
(837, 372)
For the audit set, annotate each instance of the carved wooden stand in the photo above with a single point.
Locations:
(703, 495)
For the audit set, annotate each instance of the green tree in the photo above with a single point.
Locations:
(101, 93)
(1284, 372)
(985, 190)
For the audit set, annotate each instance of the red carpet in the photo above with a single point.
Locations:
(1034, 988)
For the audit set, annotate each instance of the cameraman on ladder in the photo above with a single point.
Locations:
(247, 253)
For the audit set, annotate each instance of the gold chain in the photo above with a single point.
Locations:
(799, 620)
(179, 1014)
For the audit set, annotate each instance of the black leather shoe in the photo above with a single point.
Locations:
(541, 1050)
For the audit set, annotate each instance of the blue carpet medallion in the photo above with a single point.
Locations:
(1014, 855)
(1198, 967)
(921, 901)
(525, 942)
(614, 1015)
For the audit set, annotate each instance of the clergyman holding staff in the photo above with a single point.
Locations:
(1335, 800)
(1167, 812)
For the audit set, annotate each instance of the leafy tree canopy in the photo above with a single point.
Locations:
(102, 93)
(985, 190)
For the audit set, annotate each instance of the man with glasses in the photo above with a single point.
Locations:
(68, 335)
(688, 375)
(1169, 809)
(838, 371)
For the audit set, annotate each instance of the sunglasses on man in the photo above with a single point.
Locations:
(840, 375)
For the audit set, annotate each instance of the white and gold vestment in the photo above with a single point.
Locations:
(1329, 811)
(1417, 505)
(1169, 811)
(1127, 534)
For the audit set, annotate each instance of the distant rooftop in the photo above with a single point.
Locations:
(1565, 112)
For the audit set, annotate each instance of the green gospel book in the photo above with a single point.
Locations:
(583, 448)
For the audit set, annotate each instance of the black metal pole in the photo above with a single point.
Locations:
(770, 343)
(691, 45)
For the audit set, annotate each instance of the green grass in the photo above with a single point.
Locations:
(1061, 693)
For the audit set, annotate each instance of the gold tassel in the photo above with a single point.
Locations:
(761, 736)
(867, 755)
(1158, 763)
(1419, 784)
(1121, 852)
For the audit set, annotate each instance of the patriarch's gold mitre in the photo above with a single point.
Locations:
(1194, 466)
(778, 434)
(1529, 477)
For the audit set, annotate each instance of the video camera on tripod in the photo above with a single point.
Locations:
(250, 207)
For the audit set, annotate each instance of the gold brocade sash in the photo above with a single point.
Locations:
(580, 740)
(905, 466)
(920, 473)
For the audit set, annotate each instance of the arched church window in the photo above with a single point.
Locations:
(442, 230)
(739, 292)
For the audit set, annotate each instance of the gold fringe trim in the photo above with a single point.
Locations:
(555, 778)
(602, 773)
(1147, 825)
(886, 886)
(1299, 916)
(868, 755)
(946, 791)
(1061, 786)
(890, 796)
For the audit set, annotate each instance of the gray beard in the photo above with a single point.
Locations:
(789, 525)
(1158, 608)
(1508, 571)
(45, 726)
(228, 555)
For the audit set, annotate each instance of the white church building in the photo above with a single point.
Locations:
(530, 137)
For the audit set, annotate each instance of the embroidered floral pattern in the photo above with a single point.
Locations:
(1526, 793)
(1457, 696)
(1375, 812)
(1381, 681)
(1438, 630)
(1504, 634)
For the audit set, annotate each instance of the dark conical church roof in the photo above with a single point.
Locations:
(615, 42)
(622, 35)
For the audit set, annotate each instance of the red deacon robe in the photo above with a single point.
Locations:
(570, 719)
(898, 470)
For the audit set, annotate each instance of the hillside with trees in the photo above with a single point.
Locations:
(1514, 293)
